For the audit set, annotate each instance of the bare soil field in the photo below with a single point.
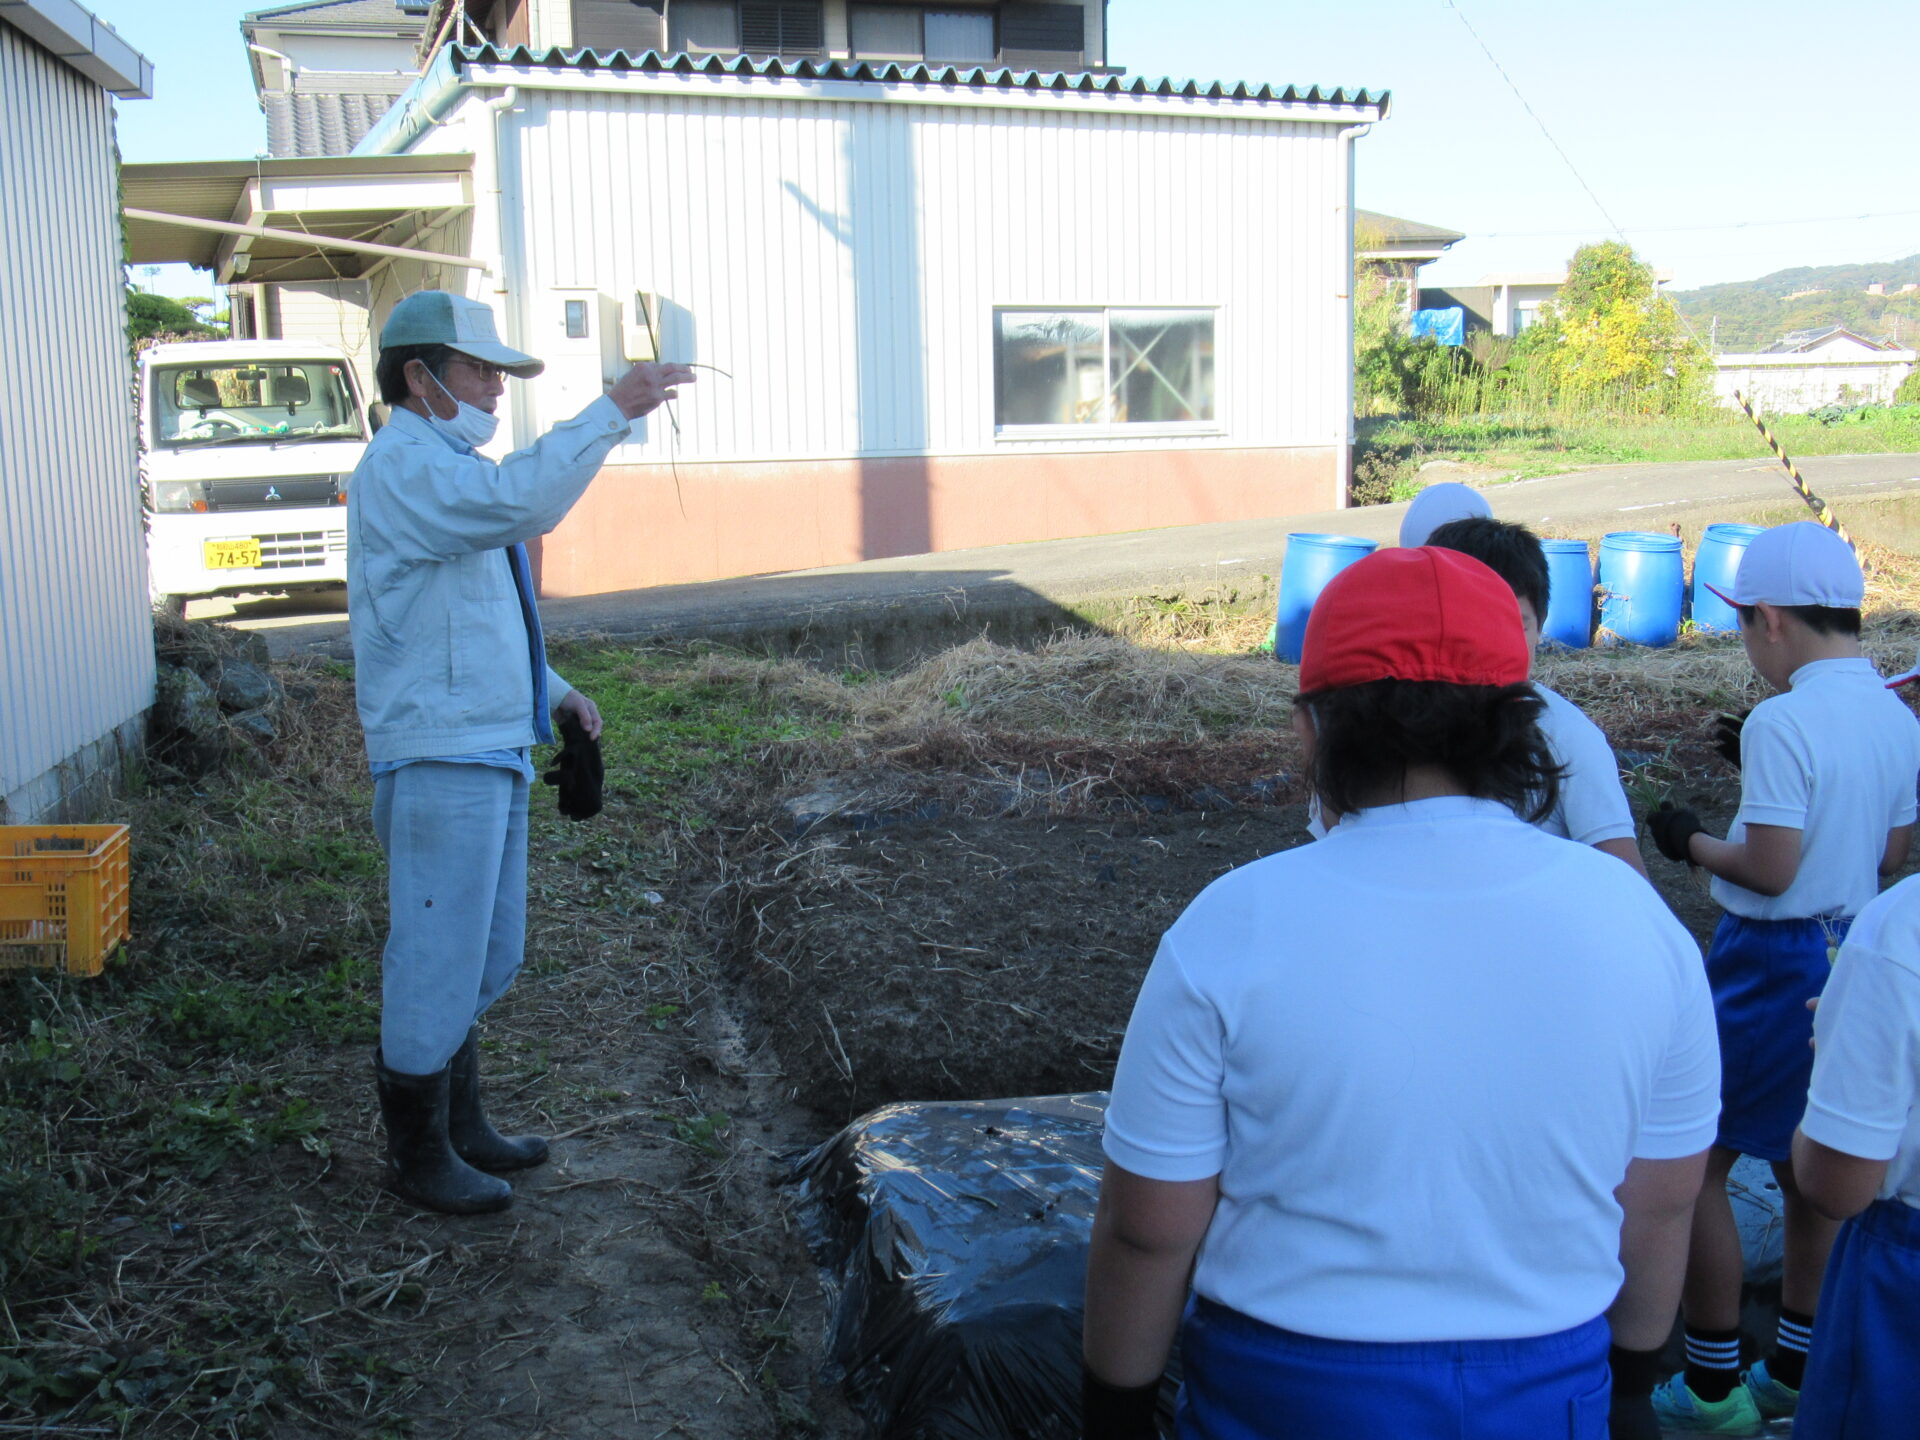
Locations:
(811, 893)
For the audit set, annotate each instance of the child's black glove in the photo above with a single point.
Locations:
(1726, 731)
(1672, 826)
(578, 771)
(1630, 1414)
(1117, 1412)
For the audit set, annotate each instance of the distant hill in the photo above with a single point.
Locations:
(1751, 314)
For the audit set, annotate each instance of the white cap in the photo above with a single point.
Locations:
(1439, 505)
(1798, 564)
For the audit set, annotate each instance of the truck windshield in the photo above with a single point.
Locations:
(248, 402)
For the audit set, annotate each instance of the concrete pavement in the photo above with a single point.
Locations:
(882, 611)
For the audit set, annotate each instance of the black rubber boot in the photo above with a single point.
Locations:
(421, 1165)
(474, 1138)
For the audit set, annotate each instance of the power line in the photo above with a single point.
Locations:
(1568, 159)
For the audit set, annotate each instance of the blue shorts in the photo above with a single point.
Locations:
(1763, 972)
(1245, 1380)
(1863, 1372)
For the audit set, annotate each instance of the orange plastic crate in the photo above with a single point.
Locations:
(62, 908)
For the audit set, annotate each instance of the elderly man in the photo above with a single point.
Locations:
(453, 691)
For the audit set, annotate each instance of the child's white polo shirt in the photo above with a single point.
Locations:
(1865, 1096)
(1836, 758)
(1419, 1055)
(1592, 806)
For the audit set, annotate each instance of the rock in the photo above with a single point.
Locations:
(244, 686)
(806, 811)
(256, 724)
(1438, 468)
(186, 721)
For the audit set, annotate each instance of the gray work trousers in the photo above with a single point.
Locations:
(456, 843)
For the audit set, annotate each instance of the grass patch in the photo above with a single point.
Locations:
(1390, 450)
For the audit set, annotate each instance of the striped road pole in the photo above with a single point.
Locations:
(1822, 511)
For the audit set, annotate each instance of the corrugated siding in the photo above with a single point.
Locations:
(333, 312)
(843, 260)
(76, 640)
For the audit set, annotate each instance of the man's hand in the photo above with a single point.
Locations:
(1672, 826)
(583, 710)
(641, 389)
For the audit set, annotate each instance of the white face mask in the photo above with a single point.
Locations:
(470, 425)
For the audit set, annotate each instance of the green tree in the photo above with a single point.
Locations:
(150, 315)
(1610, 339)
(1392, 371)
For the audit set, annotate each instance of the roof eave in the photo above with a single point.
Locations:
(88, 44)
(955, 79)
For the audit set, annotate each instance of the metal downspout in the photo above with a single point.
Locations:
(1343, 452)
(506, 238)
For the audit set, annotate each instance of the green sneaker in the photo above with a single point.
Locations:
(1773, 1400)
(1681, 1412)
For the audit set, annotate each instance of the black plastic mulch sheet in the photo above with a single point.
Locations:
(956, 1237)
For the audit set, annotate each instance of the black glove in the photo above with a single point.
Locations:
(1726, 731)
(1630, 1415)
(1672, 826)
(1115, 1412)
(578, 771)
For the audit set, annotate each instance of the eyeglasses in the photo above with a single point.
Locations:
(480, 367)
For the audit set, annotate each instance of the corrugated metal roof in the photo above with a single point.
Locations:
(959, 77)
(1797, 340)
(387, 14)
(314, 125)
(1392, 227)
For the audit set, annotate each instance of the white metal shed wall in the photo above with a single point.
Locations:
(843, 260)
(76, 636)
(332, 312)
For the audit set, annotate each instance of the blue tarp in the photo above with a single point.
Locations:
(1448, 326)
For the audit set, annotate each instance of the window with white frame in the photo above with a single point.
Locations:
(906, 32)
(1108, 367)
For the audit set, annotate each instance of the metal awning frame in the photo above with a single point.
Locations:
(297, 219)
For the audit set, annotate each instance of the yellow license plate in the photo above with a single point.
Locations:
(232, 554)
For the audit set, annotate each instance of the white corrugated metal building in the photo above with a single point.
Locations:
(956, 305)
(76, 634)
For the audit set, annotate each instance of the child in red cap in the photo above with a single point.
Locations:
(1422, 1108)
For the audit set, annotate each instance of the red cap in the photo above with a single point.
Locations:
(1422, 614)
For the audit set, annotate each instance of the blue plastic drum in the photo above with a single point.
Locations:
(1715, 563)
(1311, 561)
(1643, 584)
(1569, 617)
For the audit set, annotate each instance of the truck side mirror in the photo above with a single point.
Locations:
(376, 417)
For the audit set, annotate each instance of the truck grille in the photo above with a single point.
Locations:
(300, 549)
(279, 493)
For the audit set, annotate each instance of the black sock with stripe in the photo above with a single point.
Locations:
(1789, 1362)
(1713, 1362)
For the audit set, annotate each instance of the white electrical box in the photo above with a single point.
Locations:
(640, 328)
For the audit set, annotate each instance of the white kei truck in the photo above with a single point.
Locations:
(246, 446)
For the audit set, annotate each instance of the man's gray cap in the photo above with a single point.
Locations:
(436, 317)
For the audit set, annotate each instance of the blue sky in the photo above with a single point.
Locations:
(1728, 141)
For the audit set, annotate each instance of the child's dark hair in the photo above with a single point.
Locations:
(1821, 619)
(390, 374)
(1487, 737)
(1512, 552)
